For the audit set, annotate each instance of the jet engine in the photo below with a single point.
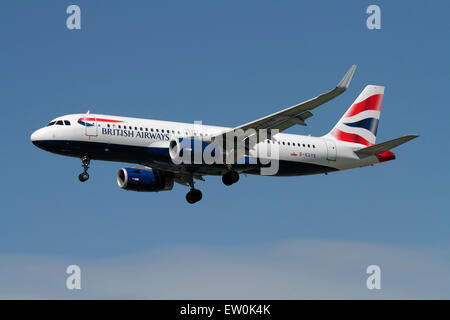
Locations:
(190, 151)
(144, 179)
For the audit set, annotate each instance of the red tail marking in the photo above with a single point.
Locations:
(386, 156)
(371, 103)
(350, 137)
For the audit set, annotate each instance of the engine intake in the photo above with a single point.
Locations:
(189, 151)
(144, 179)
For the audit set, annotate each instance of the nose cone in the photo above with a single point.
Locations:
(37, 138)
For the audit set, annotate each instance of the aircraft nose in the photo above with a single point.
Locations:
(36, 137)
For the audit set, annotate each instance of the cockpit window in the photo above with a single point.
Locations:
(59, 123)
(67, 122)
(51, 123)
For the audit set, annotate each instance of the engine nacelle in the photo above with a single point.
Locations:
(189, 151)
(144, 179)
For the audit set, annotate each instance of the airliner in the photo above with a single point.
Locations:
(156, 147)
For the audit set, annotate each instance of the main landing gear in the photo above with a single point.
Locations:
(230, 177)
(84, 176)
(194, 195)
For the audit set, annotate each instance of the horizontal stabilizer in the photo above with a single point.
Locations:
(384, 146)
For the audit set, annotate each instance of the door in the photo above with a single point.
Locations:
(90, 125)
(331, 150)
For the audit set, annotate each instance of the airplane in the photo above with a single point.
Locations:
(157, 146)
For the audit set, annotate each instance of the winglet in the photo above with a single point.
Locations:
(344, 83)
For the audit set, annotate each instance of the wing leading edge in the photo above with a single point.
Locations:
(298, 113)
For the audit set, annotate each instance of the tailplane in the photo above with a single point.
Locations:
(360, 123)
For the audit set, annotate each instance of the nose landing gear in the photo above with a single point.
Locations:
(84, 176)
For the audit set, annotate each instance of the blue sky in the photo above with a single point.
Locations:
(225, 63)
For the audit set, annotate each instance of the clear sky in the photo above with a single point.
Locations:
(224, 63)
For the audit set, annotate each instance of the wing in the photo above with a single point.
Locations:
(298, 113)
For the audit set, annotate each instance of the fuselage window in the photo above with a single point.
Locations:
(283, 143)
(51, 123)
(135, 128)
(157, 130)
(308, 146)
(141, 129)
(179, 132)
(303, 145)
(162, 130)
(67, 123)
(151, 129)
(59, 123)
(314, 146)
(120, 127)
(108, 125)
(146, 129)
(289, 143)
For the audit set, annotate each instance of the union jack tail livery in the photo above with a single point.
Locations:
(359, 124)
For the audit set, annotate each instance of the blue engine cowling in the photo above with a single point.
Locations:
(144, 179)
(188, 150)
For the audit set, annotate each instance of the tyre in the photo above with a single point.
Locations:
(83, 176)
(194, 196)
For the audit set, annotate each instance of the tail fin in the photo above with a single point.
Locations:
(359, 124)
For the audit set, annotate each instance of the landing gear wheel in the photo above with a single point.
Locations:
(83, 176)
(230, 177)
(193, 196)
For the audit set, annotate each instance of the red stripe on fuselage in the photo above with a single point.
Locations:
(98, 119)
(350, 137)
(371, 103)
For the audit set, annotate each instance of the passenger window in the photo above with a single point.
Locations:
(157, 130)
(283, 143)
(303, 145)
(162, 130)
(308, 146)
(146, 129)
(59, 123)
(314, 146)
(51, 123)
(141, 129)
(67, 123)
(120, 126)
(151, 129)
(135, 128)
(289, 143)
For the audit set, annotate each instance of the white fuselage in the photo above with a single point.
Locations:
(77, 134)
